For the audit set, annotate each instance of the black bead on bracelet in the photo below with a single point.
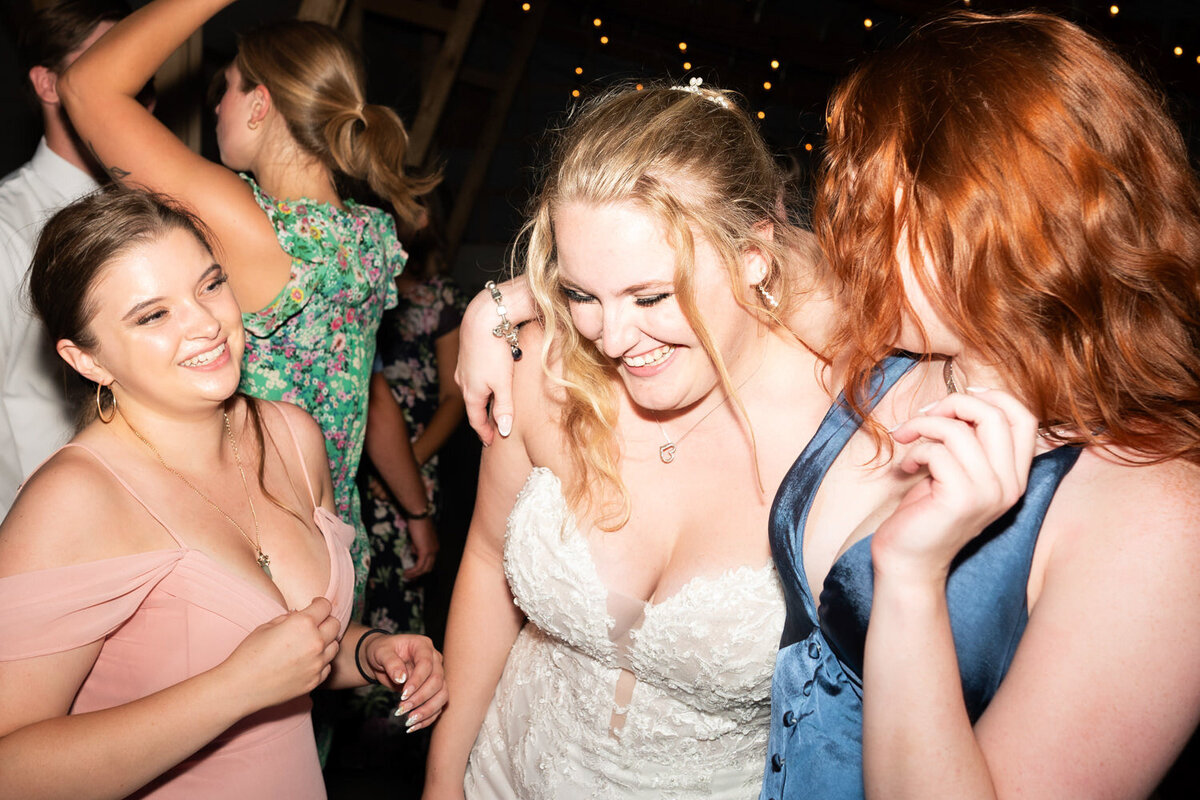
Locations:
(358, 649)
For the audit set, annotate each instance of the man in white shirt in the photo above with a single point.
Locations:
(35, 414)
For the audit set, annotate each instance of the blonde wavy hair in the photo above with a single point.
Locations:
(317, 82)
(695, 161)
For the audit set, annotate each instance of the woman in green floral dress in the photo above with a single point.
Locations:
(312, 272)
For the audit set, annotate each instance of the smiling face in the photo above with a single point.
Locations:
(167, 328)
(618, 274)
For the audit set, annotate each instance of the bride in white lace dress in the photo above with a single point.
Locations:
(616, 617)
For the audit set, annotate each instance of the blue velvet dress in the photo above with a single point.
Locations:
(815, 748)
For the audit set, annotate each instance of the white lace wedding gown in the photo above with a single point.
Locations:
(604, 696)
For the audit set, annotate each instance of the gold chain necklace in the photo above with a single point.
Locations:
(263, 559)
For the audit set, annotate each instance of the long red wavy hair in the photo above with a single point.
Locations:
(1059, 216)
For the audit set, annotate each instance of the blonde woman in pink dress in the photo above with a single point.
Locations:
(173, 582)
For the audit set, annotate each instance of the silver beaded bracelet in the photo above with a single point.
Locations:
(505, 330)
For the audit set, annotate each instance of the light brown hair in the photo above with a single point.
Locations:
(317, 83)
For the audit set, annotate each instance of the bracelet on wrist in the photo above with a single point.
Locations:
(358, 649)
(426, 513)
(505, 330)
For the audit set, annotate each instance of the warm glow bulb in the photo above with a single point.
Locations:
(687, 65)
(579, 70)
(683, 47)
(524, 6)
(574, 93)
(1178, 51)
(762, 115)
(774, 64)
(808, 147)
(767, 85)
(597, 22)
(603, 40)
(639, 87)
(867, 22)
(1114, 10)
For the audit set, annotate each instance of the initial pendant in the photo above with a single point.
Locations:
(667, 452)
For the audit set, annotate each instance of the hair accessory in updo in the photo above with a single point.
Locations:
(694, 86)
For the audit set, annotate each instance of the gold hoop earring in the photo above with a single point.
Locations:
(100, 408)
(253, 124)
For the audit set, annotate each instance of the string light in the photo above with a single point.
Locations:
(574, 93)
(1178, 51)
(767, 85)
(603, 40)
(687, 65)
(808, 146)
(761, 115)
(579, 70)
(639, 87)
(597, 22)
(774, 64)
(525, 6)
(1114, 10)
(683, 47)
(867, 22)
(1198, 59)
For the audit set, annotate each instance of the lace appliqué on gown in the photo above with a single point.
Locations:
(604, 696)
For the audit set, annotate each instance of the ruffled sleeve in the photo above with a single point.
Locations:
(348, 254)
(54, 610)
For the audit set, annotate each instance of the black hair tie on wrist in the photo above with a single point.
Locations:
(358, 649)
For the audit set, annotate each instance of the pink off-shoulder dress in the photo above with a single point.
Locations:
(165, 616)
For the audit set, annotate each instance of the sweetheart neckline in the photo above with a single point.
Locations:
(648, 607)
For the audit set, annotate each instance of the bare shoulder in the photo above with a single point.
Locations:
(1147, 505)
(71, 511)
(287, 423)
(1136, 523)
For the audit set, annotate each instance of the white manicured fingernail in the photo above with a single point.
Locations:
(924, 409)
(400, 677)
(978, 389)
(504, 424)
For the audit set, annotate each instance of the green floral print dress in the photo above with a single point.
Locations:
(314, 345)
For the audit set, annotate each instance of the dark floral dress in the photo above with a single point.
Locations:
(314, 345)
(407, 357)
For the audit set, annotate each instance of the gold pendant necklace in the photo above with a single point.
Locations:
(263, 559)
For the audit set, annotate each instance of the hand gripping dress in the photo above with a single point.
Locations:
(605, 696)
(816, 723)
(165, 616)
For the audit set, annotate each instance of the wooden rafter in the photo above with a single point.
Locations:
(493, 127)
(326, 11)
(433, 99)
